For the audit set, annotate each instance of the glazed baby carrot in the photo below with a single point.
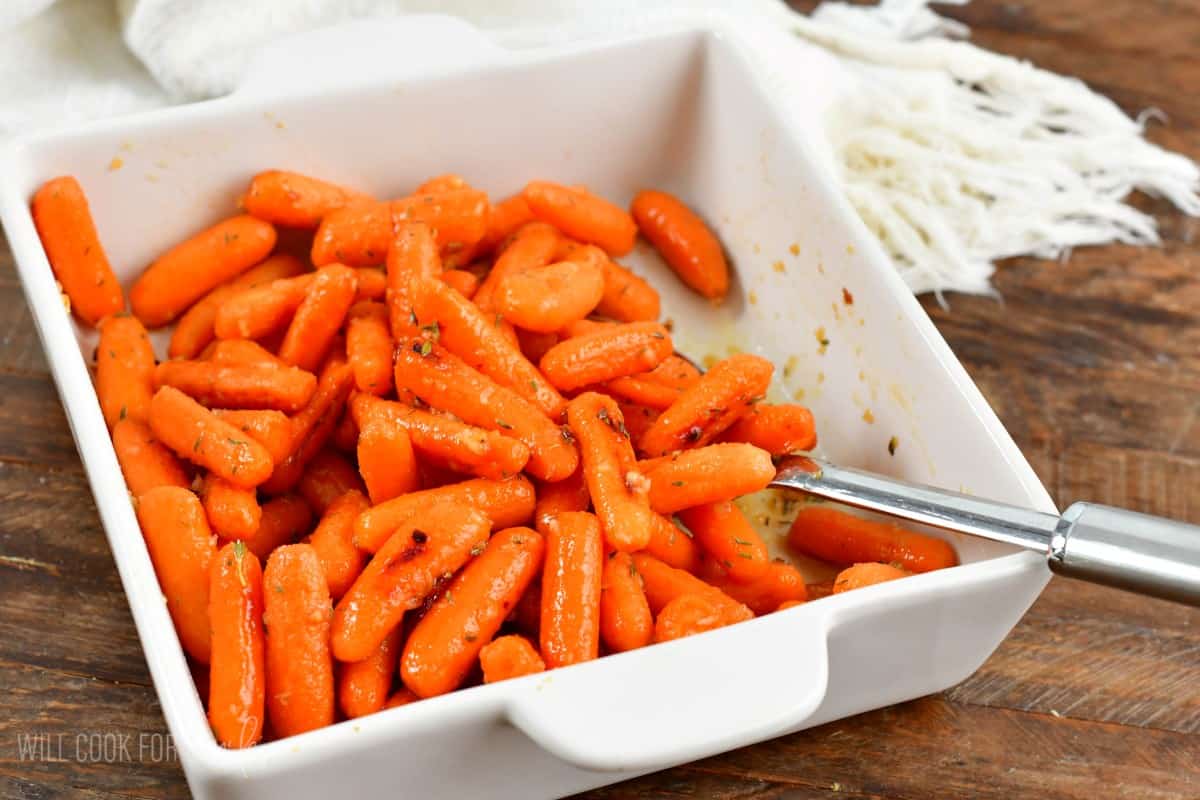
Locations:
(690, 614)
(241, 352)
(509, 657)
(504, 219)
(618, 490)
(319, 317)
(658, 388)
(705, 410)
(463, 282)
(707, 475)
(181, 547)
(333, 539)
(345, 434)
(868, 574)
(299, 667)
(547, 298)
(506, 503)
(327, 477)
(570, 628)
(780, 583)
(685, 242)
(386, 460)
(532, 246)
(261, 310)
(609, 353)
(445, 644)
(443, 381)
(191, 269)
(672, 545)
(625, 619)
(237, 676)
(840, 538)
(293, 200)
(570, 494)
(313, 424)
(233, 512)
(778, 429)
(728, 538)
(357, 235)
(638, 418)
(663, 584)
(255, 386)
(284, 519)
(435, 542)
(401, 697)
(363, 685)
(372, 284)
(124, 369)
(272, 429)
(145, 462)
(627, 297)
(198, 435)
(458, 217)
(64, 224)
(412, 255)
(582, 215)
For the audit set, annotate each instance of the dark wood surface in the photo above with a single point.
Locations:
(1094, 366)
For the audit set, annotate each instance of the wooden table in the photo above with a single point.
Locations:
(1093, 365)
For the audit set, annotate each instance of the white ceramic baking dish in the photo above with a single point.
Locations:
(384, 105)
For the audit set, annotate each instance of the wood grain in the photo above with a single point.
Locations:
(1094, 366)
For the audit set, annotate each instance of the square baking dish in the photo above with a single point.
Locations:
(383, 105)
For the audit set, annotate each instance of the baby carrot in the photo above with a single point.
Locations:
(363, 685)
(672, 545)
(299, 668)
(627, 296)
(68, 233)
(237, 675)
(690, 614)
(638, 418)
(458, 217)
(429, 545)
(293, 200)
(372, 284)
(284, 520)
(613, 352)
(868, 574)
(261, 310)
(532, 246)
(401, 697)
(708, 475)
(313, 424)
(345, 434)
(570, 494)
(527, 615)
(842, 538)
(506, 503)
(191, 269)
(547, 298)
(706, 409)
(386, 460)
(463, 282)
(442, 183)
(778, 429)
(256, 386)
(816, 591)
(181, 548)
(145, 462)
(233, 512)
(509, 657)
(779, 583)
(618, 490)
(728, 538)
(412, 255)
(625, 619)
(504, 219)
(570, 627)
(356, 235)
(443, 381)
(658, 388)
(664, 584)
(124, 369)
(272, 429)
(333, 539)
(198, 435)
(685, 242)
(327, 477)
(319, 317)
(582, 215)
(369, 347)
(242, 352)
(445, 644)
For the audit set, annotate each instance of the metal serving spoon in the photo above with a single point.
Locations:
(1100, 544)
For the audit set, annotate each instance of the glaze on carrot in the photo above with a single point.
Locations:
(685, 242)
(292, 200)
(313, 424)
(690, 614)
(284, 520)
(658, 388)
(241, 352)
(504, 219)
(582, 215)
(728, 538)
(547, 298)
(664, 583)
(319, 317)
(532, 246)
(509, 657)
(707, 475)
(625, 619)
(671, 544)
(272, 429)
(145, 462)
(571, 581)
(612, 352)
(386, 460)
(233, 512)
(124, 370)
(779, 583)
(778, 429)
(254, 386)
(363, 685)
(569, 494)
(841, 538)
(333, 539)
(627, 296)
(237, 675)
(198, 435)
(369, 347)
(327, 477)
(259, 311)
(869, 574)
(411, 256)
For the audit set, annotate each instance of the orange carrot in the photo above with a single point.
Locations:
(842, 538)
(705, 410)
(327, 477)
(627, 296)
(293, 200)
(582, 215)
(181, 548)
(570, 494)
(442, 183)
(547, 298)
(356, 235)
(660, 387)
(198, 435)
(816, 591)
(638, 418)
(458, 216)
(672, 545)
(261, 310)
(784, 606)
(401, 697)
(613, 352)
(256, 386)
(68, 233)
(570, 627)
(241, 352)
(505, 218)
(664, 584)
(728, 538)
(363, 685)
(284, 520)
(238, 673)
(509, 657)
(299, 668)
(707, 475)
(433, 543)
(313, 425)
(319, 317)
(272, 429)
(690, 614)
(586, 327)
(532, 246)
(625, 619)
(618, 490)
(233, 512)
(527, 615)
(412, 255)
(372, 284)
(868, 574)
(778, 429)
(685, 242)
(445, 644)
(124, 370)
(780, 583)
(345, 434)
(333, 540)
(193, 268)
(386, 460)
(145, 462)
(463, 282)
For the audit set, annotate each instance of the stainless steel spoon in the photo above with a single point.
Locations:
(1101, 544)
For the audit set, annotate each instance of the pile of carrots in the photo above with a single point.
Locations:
(450, 443)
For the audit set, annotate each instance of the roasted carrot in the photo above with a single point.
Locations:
(445, 644)
(363, 685)
(259, 311)
(272, 429)
(627, 296)
(333, 539)
(569, 494)
(372, 284)
(124, 369)
(233, 512)
(386, 459)
(356, 235)
(238, 673)
(319, 317)
(327, 477)
(625, 619)
(68, 233)
(664, 583)
(255, 386)
(571, 580)
(198, 435)
(728, 538)
(401, 697)
(293, 200)
(690, 614)
(547, 298)
(707, 475)
(504, 219)
(612, 352)
(509, 657)
(145, 462)
(672, 545)
(868, 574)
(532, 246)
(435, 542)
(618, 490)
(779, 583)
(300, 691)
(778, 429)
(705, 410)
(181, 548)
(463, 282)
(684, 241)
(412, 255)
(582, 215)
(658, 388)
(193, 268)
(841, 538)
(458, 216)
(241, 352)
(313, 424)
(284, 520)
(638, 418)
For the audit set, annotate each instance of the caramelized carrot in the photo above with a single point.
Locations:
(463, 282)
(638, 418)
(198, 435)
(233, 512)
(327, 477)
(319, 317)
(412, 255)
(242, 352)
(672, 545)
(238, 673)
(779, 583)
(386, 460)
(841, 538)
(663, 584)
(372, 284)
(613, 352)
(690, 614)
(570, 494)
(293, 200)
(504, 219)
(145, 462)
(509, 657)
(685, 242)
(869, 574)
(658, 388)
(356, 235)
(255, 386)
(707, 475)
(259, 311)
(284, 520)
(570, 627)
(532, 246)
(458, 216)
(124, 370)
(627, 296)
(778, 429)
(728, 538)
(333, 540)
(625, 619)
(272, 429)
(582, 215)
(363, 685)
(547, 298)
(313, 425)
